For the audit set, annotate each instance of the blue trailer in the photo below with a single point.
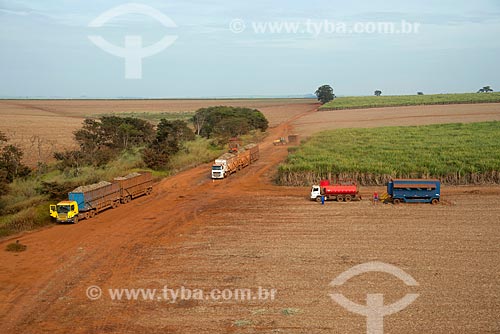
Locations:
(86, 201)
(414, 191)
(95, 198)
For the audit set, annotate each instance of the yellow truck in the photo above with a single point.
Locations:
(86, 201)
(65, 211)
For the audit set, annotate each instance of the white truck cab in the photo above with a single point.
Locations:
(315, 193)
(218, 171)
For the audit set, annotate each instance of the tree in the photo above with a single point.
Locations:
(231, 127)
(378, 92)
(485, 89)
(420, 93)
(101, 140)
(122, 133)
(177, 131)
(11, 161)
(156, 156)
(199, 119)
(11, 165)
(70, 160)
(214, 121)
(325, 94)
(4, 184)
(117, 133)
(90, 137)
(169, 138)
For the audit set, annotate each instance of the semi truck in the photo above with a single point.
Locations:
(86, 201)
(230, 163)
(343, 191)
(413, 191)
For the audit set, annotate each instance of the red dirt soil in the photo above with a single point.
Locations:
(244, 232)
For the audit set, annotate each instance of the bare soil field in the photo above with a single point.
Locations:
(42, 127)
(244, 232)
(396, 116)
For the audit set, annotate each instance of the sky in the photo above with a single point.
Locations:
(227, 48)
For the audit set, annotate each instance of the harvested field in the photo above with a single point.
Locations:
(42, 127)
(244, 232)
(397, 116)
(277, 240)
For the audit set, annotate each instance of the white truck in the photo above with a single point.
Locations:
(224, 166)
(230, 163)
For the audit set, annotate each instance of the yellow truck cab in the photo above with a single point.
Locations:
(65, 212)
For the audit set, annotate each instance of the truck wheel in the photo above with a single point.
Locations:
(340, 198)
(86, 215)
(435, 201)
(149, 191)
(348, 198)
(318, 199)
(115, 204)
(92, 214)
(75, 220)
(397, 201)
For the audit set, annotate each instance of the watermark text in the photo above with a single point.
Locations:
(175, 295)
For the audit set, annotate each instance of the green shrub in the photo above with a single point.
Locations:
(195, 153)
(26, 219)
(16, 247)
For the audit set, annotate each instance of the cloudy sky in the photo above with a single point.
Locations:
(227, 49)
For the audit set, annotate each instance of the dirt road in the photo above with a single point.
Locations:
(243, 232)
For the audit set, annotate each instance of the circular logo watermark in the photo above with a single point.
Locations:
(94, 292)
(374, 310)
(237, 26)
(133, 52)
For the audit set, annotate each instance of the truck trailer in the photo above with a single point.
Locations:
(230, 163)
(134, 185)
(254, 152)
(86, 201)
(344, 191)
(413, 191)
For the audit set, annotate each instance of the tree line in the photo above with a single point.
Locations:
(102, 140)
(325, 93)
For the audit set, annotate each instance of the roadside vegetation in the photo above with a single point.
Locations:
(362, 102)
(455, 153)
(112, 146)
